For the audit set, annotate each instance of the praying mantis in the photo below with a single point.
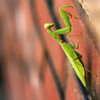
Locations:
(69, 49)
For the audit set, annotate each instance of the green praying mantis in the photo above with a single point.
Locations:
(73, 56)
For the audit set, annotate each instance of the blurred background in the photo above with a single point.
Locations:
(32, 64)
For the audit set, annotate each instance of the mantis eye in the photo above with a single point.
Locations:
(48, 25)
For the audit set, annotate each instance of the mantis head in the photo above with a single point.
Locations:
(48, 25)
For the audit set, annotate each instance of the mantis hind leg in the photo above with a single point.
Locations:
(73, 45)
(78, 56)
(77, 45)
(90, 71)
